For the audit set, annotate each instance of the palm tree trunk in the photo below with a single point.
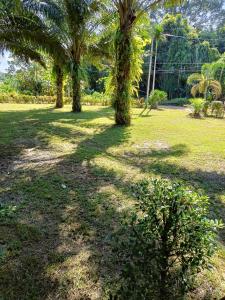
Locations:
(206, 91)
(123, 65)
(59, 87)
(76, 106)
(154, 75)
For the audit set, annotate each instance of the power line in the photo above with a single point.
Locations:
(175, 63)
(195, 39)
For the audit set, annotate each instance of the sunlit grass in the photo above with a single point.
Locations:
(69, 178)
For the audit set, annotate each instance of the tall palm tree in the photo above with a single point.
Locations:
(23, 31)
(129, 12)
(77, 33)
(51, 17)
(80, 20)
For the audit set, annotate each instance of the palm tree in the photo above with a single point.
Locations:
(129, 12)
(80, 20)
(24, 33)
(50, 16)
(76, 29)
(202, 84)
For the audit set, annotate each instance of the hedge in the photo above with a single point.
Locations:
(176, 102)
(27, 99)
(93, 99)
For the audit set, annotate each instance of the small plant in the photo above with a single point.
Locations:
(218, 109)
(156, 97)
(7, 211)
(205, 108)
(140, 103)
(197, 106)
(170, 239)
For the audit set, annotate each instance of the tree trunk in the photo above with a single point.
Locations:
(59, 87)
(206, 91)
(123, 65)
(154, 75)
(76, 106)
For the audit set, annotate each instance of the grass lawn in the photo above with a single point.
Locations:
(65, 187)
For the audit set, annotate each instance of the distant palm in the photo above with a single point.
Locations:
(202, 84)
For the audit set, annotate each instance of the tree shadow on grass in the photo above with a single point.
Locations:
(32, 128)
(56, 245)
(162, 151)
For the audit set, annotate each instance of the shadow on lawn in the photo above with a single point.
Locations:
(58, 245)
(28, 129)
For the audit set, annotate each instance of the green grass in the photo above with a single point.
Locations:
(65, 189)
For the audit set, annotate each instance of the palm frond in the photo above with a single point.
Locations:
(195, 90)
(34, 31)
(193, 78)
(215, 88)
(24, 51)
(46, 8)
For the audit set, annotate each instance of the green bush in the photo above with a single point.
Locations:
(197, 106)
(168, 241)
(96, 99)
(218, 109)
(5, 88)
(156, 97)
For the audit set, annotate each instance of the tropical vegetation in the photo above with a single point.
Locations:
(107, 190)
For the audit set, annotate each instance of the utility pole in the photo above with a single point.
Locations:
(149, 70)
(154, 73)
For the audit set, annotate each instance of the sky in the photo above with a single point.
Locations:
(3, 62)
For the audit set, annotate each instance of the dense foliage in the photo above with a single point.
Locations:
(179, 54)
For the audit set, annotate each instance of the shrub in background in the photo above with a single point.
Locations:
(176, 102)
(156, 97)
(26, 99)
(170, 239)
(218, 108)
(197, 105)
